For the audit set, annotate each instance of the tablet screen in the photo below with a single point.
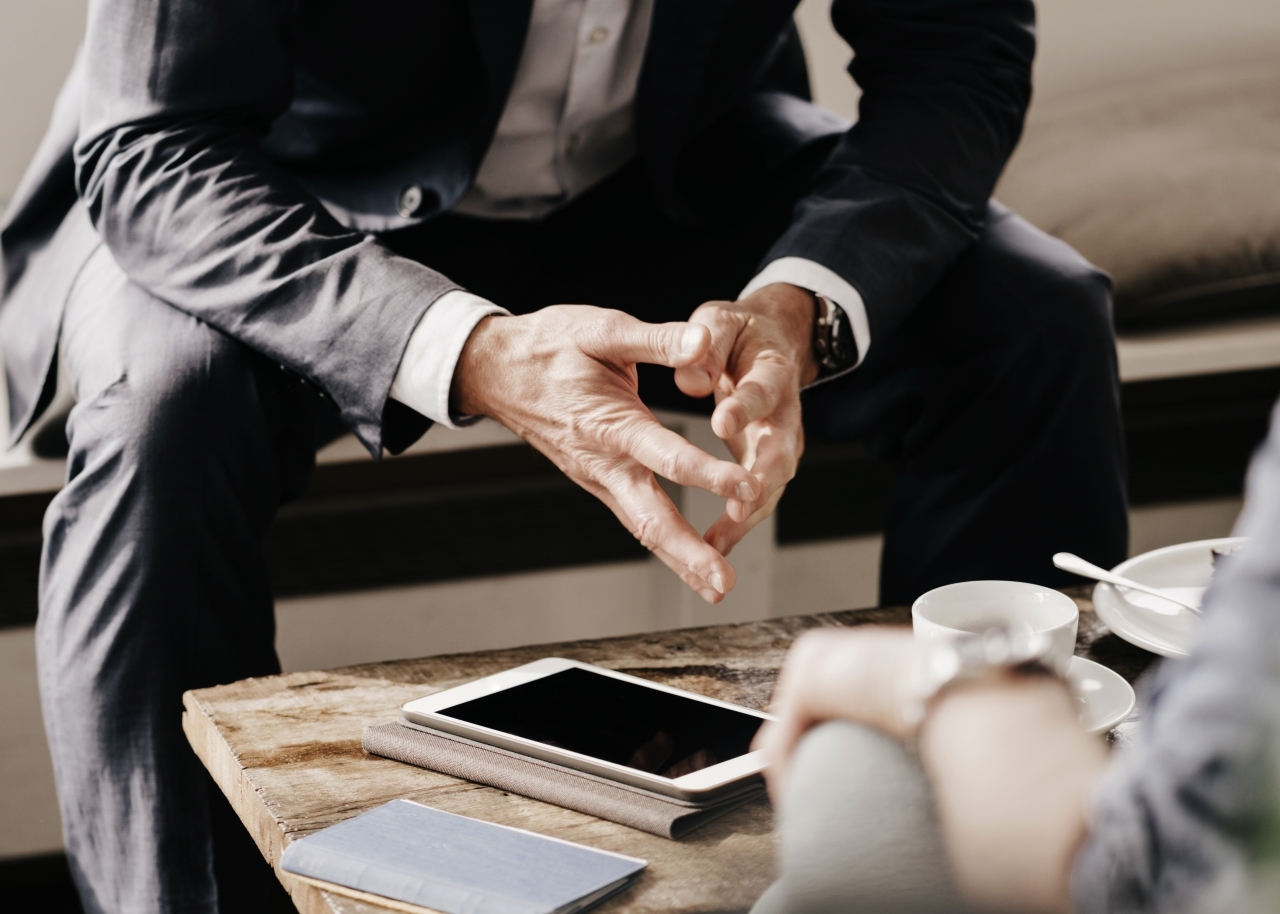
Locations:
(615, 721)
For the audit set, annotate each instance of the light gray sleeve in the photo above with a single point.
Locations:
(1181, 814)
(171, 171)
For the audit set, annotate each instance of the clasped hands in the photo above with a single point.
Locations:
(564, 379)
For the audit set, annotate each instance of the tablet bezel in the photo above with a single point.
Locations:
(700, 785)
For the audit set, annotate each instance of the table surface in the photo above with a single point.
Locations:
(286, 751)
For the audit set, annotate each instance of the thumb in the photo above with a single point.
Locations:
(700, 379)
(624, 340)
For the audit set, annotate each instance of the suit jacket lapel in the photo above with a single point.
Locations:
(682, 40)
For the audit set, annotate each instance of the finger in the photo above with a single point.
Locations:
(696, 584)
(775, 457)
(700, 378)
(708, 591)
(755, 397)
(645, 510)
(727, 532)
(771, 451)
(620, 339)
(672, 457)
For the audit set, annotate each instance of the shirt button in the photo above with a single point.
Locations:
(410, 201)
(599, 35)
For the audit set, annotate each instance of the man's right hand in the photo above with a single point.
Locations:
(564, 379)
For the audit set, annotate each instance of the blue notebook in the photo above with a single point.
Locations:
(456, 865)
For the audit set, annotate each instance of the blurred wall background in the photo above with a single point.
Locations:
(1084, 44)
(38, 40)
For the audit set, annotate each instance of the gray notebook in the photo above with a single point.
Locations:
(423, 856)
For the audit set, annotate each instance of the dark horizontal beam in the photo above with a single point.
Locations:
(439, 517)
(462, 514)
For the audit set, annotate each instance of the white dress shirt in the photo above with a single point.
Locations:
(567, 125)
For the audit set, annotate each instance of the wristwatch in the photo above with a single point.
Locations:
(833, 342)
(996, 651)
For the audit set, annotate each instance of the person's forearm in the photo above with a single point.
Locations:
(1012, 773)
(170, 168)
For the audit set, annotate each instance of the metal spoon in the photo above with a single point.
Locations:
(1076, 565)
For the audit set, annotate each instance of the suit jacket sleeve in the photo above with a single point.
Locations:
(945, 84)
(169, 167)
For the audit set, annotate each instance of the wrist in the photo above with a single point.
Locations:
(796, 310)
(474, 371)
(1013, 774)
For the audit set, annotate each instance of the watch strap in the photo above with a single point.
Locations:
(996, 651)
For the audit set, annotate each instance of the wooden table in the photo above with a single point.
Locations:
(286, 752)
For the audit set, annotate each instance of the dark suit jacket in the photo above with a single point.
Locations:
(238, 157)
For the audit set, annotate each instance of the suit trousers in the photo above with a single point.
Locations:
(997, 400)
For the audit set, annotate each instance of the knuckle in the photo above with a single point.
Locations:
(685, 463)
(648, 531)
(605, 329)
(671, 465)
(752, 401)
(663, 340)
(609, 437)
(713, 310)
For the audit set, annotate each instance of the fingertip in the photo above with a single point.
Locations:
(694, 342)
(694, 381)
(740, 512)
(724, 420)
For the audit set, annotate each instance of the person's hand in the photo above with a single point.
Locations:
(760, 357)
(1011, 768)
(861, 674)
(564, 379)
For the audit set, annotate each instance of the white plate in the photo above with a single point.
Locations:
(1185, 570)
(1102, 696)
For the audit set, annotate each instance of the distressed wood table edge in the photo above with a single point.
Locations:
(230, 777)
(234, 774)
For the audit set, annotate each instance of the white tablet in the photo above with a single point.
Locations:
(609, 724)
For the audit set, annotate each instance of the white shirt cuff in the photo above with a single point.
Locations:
(808, 274)
(426, 368)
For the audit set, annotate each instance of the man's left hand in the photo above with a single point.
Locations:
(761, 356)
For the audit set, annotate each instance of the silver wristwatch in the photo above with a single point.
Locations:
(997, 650)
(833, 344)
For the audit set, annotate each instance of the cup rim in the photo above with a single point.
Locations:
(1071, 612)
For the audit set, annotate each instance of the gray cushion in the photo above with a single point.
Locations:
(1172, 185)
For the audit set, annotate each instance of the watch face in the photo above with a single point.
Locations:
(833, 338)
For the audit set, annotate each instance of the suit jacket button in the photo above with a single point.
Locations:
(410, 201)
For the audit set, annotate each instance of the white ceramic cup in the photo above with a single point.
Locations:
(949, 612)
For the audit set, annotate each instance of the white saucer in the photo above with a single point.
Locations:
(1185, 570)
(1102, 697)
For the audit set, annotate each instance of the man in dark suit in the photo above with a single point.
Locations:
(256, 225)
